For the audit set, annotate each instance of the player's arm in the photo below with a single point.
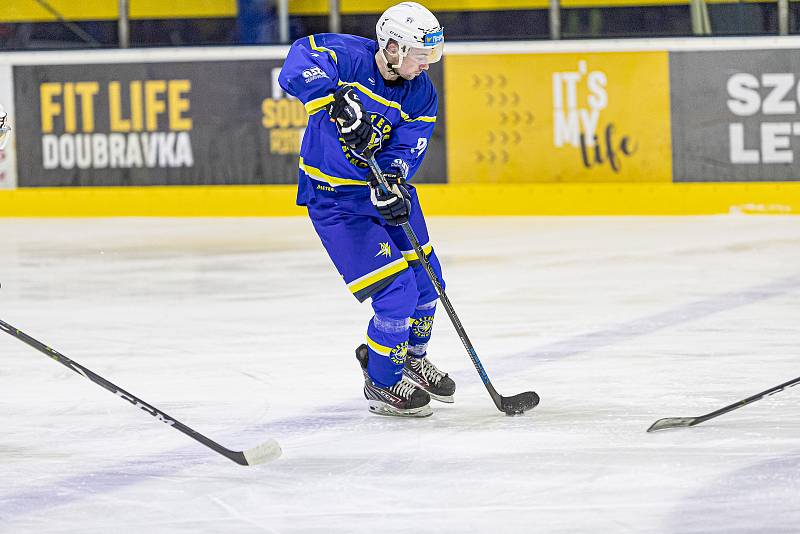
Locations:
(409, 141)
(401, 160)
(352, 119)
(311, 73)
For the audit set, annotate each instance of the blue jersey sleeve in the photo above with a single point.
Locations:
(311, 72)
(409, 141)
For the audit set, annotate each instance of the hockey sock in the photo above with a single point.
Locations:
(421, 326)
(387, 341)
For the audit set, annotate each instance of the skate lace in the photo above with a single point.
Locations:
(429, 371)
(404, 388)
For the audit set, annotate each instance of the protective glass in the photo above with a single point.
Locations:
(426, 55)
(433, 47)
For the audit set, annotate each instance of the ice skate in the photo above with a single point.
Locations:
(404, 399)
(424, 374)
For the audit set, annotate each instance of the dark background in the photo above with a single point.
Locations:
(229, 143)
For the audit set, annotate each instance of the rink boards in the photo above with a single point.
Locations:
(686, 126)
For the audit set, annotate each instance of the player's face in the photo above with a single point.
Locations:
(412, 66)
(416, 62)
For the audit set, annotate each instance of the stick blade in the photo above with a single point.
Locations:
(672, 422)
(519, 404)
(266, 452)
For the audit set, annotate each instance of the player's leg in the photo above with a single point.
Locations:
(383, 357)
(419, 367)
(373, 267)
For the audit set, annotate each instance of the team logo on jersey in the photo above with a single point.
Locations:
(421, 327)
(398, 354)
(382, 129)
(385, 250)
(314, 73)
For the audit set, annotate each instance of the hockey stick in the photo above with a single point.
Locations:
(514, 405)
(677, 422)
(269, 450)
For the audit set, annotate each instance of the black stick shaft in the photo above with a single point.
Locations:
(448, 306)
(745, 402)
(451, 312)
(236, 456)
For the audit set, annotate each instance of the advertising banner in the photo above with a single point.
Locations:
(735, 115)
(8, 167)
(582, 117)
(171, 123)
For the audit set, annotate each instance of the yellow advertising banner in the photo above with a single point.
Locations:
(32, 11)
(362, 7)
(558, 118)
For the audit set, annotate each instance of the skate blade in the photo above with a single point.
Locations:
(442, 398)
(381, 408)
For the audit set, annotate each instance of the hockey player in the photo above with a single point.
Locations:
(363, 95)
(5, 129)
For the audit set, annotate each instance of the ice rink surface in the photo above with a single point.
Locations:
(242, 329)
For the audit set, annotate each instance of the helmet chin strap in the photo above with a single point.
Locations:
(391, 68)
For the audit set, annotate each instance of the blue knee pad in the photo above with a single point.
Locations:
(387, 332)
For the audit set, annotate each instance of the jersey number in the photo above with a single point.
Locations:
(422, 144)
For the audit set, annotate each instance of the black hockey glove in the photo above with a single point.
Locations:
(351, 118)
(393, 205)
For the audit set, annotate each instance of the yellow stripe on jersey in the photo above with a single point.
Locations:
(377, 275)
(318, 104)
(423, 119)
(411, 255)
(377, 347)
(314, 46)
(389, 103)
(317, 174)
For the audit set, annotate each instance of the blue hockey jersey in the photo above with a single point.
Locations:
(404, 111)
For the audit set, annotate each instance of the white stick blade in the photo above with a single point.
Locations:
(671, 422)
(266, 452)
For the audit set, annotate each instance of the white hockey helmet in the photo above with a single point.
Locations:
(5, 129)
(411, 26)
